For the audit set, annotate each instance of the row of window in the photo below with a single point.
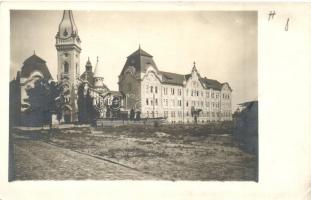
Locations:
(152, 102)
(225, 96)
(154, 89)
(201, 104)
(187, 114)
(179, 103)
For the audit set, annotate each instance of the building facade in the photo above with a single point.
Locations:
(76, 88)
(83, 98)
(179, 98)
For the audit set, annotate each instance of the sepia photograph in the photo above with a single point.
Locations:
(133, 95)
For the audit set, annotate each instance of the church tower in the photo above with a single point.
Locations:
(68, 45)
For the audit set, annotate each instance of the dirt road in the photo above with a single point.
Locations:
(62, 164)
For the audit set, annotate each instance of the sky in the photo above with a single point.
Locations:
(222, 43)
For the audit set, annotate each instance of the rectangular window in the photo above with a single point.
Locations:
(151, 89)
(156, 89)
(156, 102)
(179, 92)
(147, 102)
(172, 91)
(179, 102)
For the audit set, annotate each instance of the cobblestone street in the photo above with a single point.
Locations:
(129, 153)
(50, 161)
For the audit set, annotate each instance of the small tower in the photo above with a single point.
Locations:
(88, 65)
(98, 79)
(68, 54)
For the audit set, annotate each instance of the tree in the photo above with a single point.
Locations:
(43, 102)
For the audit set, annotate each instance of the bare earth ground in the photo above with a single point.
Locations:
(131, 152)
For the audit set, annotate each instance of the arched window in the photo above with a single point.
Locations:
(66, 67)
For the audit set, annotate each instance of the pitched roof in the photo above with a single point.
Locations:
(187, 76)
(210, 83)
(140, 60)
(172, 78)
(140, 52)
(248, 103)
(35, 63)
(225, 83)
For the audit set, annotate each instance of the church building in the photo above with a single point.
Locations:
(83, 97)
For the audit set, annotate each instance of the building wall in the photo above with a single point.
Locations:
(175, 102)
(226, 105)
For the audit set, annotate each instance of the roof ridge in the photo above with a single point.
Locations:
(172, 73)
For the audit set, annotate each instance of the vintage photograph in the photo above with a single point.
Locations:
(133, 95)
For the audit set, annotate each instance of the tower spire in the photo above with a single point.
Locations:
(88, 65)
(67, 26)
(194, 67)
(98, 79)
(96, 70)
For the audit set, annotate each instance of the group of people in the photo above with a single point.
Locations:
(134, 115)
